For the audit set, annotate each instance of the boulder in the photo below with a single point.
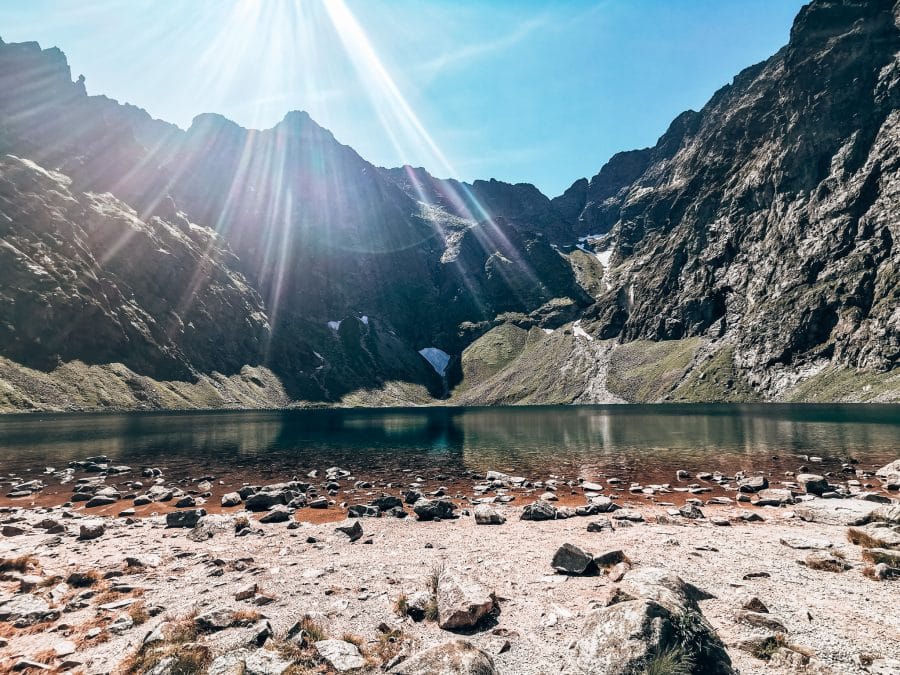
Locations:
(230, 663)
(340, 655)
(875, 535)
(753, 484)
(100, 500)
(774, 497)
(886, 514)
(12, 531)
(354, 531)
(691, 512)
(278, 514)
(629, 637)
(91, 530)
(629, 515)
(184, 518)
(231, 499)
(610, 558)
(429, 509)
(888, 470)
(600, 526)
(813, 484)
(264, 662)
(461, 602)
(263, 501)
(25, 609)
(570, 559)
(539, 510)
(656, 583)
(363, 511)
(485, 514)
(386, 502)
(836, 511)
(215, 620)
(454, 657)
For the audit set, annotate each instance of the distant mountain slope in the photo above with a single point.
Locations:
(749, 255)
(769, 218)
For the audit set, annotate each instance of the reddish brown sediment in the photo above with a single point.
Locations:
(667, 489)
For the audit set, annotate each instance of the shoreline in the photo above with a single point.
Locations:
(824, 612)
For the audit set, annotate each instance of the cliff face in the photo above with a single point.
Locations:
(769, 217)
(318, 235)
(750, 254)
(83, 277)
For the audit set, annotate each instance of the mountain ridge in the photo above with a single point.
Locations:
(775, 199)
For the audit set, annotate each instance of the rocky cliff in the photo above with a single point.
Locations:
(768, 219)
(748, 255)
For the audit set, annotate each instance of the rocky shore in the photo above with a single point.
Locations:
(705, 574)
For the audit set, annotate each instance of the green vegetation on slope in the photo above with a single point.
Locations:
(715, 379)
(644, 371)
(847, 385)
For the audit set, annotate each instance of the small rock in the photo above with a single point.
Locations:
(341, 655)
(570, 559)
(454, 657)
(539, 510)
(462, 603)
(184, 518)
(91, 530)
(487, 515)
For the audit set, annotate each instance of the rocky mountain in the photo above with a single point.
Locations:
(748, 255)
(768, 219)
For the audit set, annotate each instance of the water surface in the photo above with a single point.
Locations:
(629, 441)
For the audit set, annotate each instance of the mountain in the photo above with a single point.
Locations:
(748, 255)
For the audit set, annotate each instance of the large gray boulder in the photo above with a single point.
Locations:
(836, 511)
(658, 619)
(26, 609)
(462, 602)
(813, 484)
(454, 657)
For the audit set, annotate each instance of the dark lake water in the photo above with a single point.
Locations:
(629, 441)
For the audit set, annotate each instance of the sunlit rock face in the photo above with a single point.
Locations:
(170, 308)
(770, 216)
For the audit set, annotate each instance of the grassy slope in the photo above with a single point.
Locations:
(643, 371)
(506, 366)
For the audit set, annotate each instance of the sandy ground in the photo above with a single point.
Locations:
(842, 619)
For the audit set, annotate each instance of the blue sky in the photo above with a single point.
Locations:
(519, 91)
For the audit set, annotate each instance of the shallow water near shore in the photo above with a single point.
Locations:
(638, 442)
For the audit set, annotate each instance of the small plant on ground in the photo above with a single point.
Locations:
(246, 617)
(19, 564)
(434, 578)
(309, 631)
(388, 645)
(401, 605)
(672, 661)
(431, 610)
(353, 639)
(138, 612)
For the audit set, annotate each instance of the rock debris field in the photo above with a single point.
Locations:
(517, 576)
